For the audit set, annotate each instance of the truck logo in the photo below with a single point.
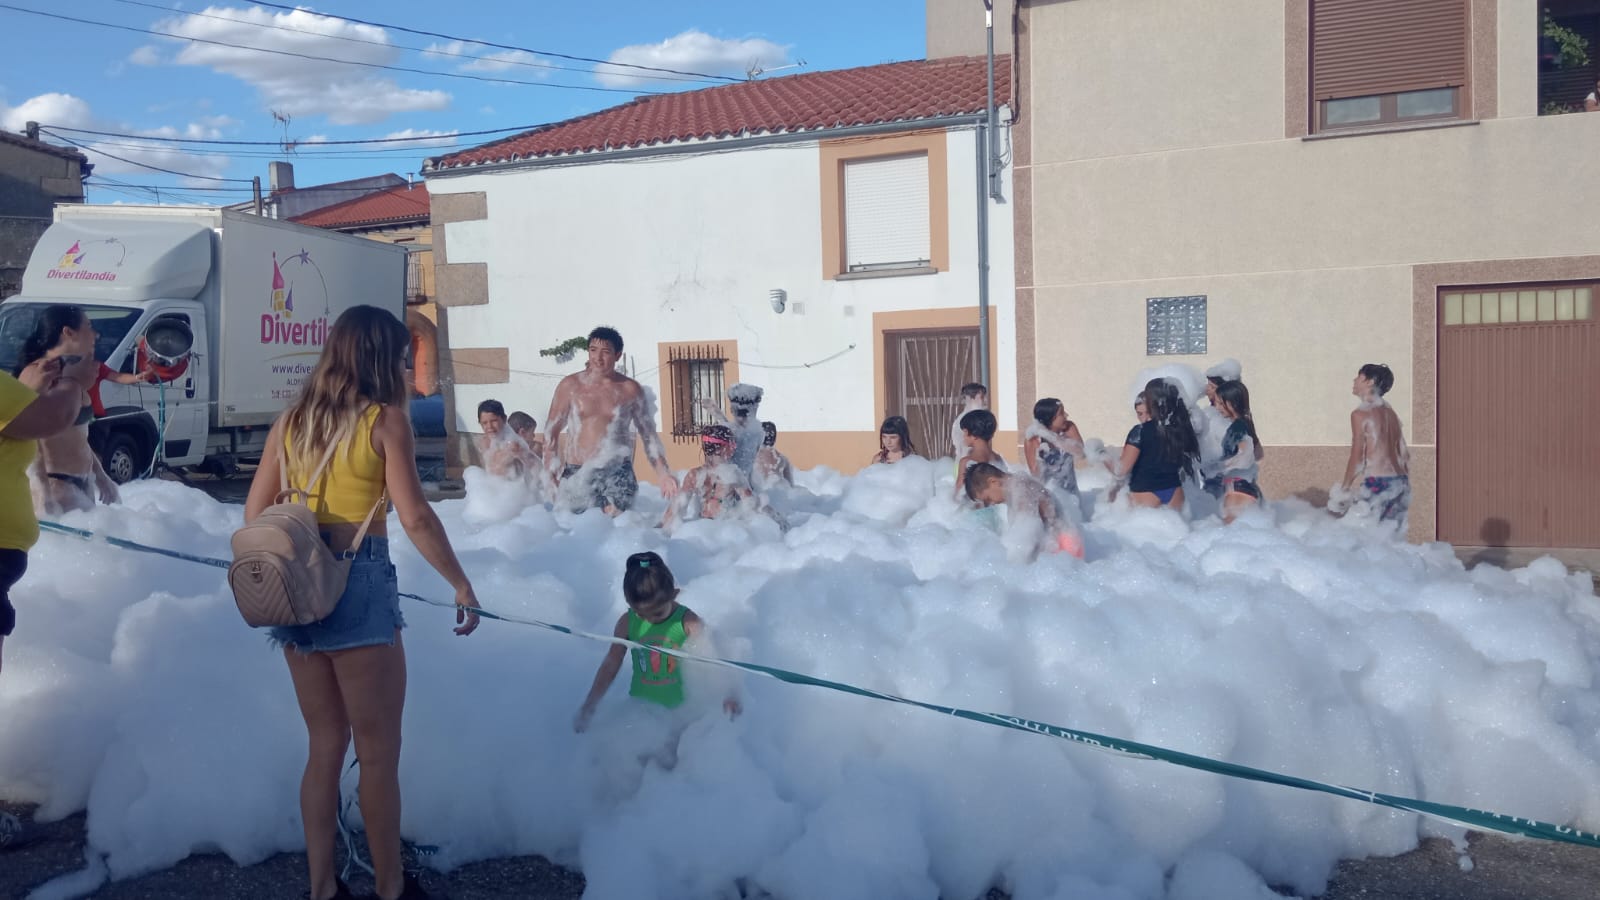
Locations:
(70, 266)
(277, 324)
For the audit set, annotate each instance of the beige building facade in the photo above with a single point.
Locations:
(1333, 210)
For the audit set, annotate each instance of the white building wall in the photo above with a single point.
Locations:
(686, 248)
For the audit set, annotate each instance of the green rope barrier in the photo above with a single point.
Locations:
(1460, 815)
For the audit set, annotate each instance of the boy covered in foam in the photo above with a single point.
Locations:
(504, 453)
(1033, 515)
(715, 488)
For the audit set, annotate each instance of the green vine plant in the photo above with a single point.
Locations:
(567, 349)
(1572, 48)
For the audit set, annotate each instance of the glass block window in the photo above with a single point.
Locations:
(1175, 326)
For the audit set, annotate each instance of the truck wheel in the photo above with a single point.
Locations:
(122, 458)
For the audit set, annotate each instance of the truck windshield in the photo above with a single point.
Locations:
(17, 321)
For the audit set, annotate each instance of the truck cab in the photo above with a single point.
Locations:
(254, 298)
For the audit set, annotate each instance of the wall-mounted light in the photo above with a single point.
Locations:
(779, 298)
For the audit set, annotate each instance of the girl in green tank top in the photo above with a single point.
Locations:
(654, 619)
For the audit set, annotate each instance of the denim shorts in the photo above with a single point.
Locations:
(368, 612)
(13, 563)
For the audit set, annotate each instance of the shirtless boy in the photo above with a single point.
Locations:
(1377, 471)
(609, 410)
(977, 432)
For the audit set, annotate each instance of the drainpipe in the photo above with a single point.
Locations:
(983, 260)
(994, 131)
(987, 186)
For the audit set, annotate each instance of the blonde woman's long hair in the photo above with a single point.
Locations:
(362, 363)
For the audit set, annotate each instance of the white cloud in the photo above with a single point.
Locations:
(425, 137)
(486, 59)
(67, 111)
(691, 51)
(146, 56)
(346, 95)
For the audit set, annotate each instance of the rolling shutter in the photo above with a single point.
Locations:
(1364, 47)
(886, 212)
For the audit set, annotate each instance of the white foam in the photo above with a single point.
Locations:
(1290, 641)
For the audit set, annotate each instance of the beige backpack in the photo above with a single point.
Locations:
(283, 572)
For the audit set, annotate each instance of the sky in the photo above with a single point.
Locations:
(74, 72)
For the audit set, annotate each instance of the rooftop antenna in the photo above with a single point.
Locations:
(283, 119)
(756, 71)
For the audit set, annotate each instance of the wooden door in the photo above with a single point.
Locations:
(924, 373)
(1518, 423)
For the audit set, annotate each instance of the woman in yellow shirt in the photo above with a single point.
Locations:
(349, 670)
(40, 402)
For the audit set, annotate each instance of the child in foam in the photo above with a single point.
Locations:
(1378, 474)
(973, 396)
(977, 430)
(1053, 447)
(1211, 425)
(1023, 496)
(1241, 451)
(894, 441)
(715, 488)
(772, 467)
(1161, 452)
(502, 451)
(654, 618)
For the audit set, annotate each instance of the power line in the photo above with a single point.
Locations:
(275, 154)
(389, 140)
(356, 40)
(551, 53)
(133, 162)
(329, 59)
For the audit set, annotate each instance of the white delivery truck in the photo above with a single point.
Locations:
(253, 296)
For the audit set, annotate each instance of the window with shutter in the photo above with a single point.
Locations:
(886, 213)
(1376, 62)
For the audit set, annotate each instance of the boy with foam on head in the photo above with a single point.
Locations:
(973, 396)
(1378, 473)
(1030, 506)
(977, 434)
(745, 401)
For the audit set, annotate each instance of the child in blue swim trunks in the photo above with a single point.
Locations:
(1377, 473)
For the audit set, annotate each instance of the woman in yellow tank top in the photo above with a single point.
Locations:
(349, 670)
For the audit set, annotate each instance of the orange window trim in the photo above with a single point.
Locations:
(668, 396)
(834, 154)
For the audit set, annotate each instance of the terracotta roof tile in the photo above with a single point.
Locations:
(893, 92)
(396, 204)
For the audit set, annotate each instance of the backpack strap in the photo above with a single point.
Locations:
(303, 495)
(355, 545)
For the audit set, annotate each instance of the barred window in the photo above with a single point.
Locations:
(697, 383)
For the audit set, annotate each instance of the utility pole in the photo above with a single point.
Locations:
(255, 189)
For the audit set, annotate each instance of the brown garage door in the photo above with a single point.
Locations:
(1519, 428)
(924, 374)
